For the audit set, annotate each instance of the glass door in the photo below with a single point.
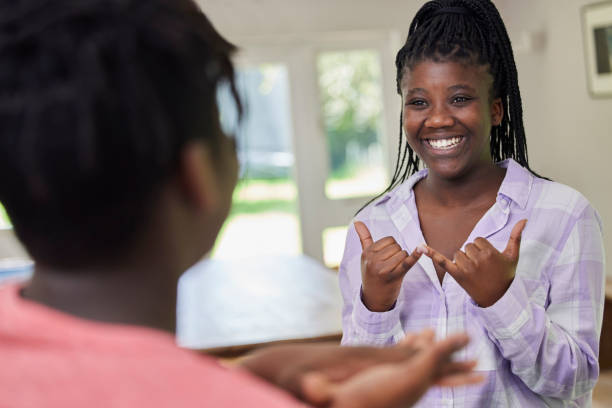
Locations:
(317, 142)
(264, 215)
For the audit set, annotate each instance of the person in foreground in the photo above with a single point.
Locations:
(512, 258)
(117, 177)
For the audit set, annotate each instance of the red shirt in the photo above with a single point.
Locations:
(49, 359)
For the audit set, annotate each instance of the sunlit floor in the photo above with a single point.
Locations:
(262, 234)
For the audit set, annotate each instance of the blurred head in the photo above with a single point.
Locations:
(469, 33)
(102, 102)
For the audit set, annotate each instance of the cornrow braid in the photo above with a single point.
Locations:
(469, 31)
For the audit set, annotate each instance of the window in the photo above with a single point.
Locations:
(264, 214)
(350, 88)
(314, 145)
(333, 245)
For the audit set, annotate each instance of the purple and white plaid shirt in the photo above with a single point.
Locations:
(538, 345)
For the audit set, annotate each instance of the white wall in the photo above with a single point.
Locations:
(569, 133)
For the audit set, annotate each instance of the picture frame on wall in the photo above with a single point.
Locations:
(597, 33)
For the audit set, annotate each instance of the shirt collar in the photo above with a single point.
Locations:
(401, 193)
(516, 185)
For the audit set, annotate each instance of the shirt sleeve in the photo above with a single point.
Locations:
(554, 348)
(361, 326)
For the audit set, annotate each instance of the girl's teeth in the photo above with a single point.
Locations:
(444, 143)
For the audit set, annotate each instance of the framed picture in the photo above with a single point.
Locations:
(597, 32)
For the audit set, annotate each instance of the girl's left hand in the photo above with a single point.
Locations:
(483, 271)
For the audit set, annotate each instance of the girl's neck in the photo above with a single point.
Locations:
(469, 189)
(138, 296)
(107, 296)
(135, 288)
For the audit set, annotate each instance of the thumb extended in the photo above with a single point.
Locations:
(514, 242)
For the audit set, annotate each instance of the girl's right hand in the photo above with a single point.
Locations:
(383, 266)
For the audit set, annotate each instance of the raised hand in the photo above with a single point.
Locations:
(483, 271)
(394, 384)
(383, 266)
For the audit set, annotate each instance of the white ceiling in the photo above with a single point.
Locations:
(264, 17)
(238, 18)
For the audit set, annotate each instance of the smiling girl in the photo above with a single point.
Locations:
(514, 259)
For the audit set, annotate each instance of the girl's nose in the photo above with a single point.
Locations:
(439, 118)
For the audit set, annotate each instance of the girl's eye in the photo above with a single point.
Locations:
(417, 103)
(461, 99)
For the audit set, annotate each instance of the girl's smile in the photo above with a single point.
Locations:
(445, 145)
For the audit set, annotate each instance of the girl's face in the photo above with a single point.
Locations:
(448, 114)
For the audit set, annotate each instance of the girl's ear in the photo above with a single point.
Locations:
(497, 112)
(197, 177)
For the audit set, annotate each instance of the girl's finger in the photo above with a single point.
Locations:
(316, 389)
(456, 380)
(484, 244)
(455, 367)
(408, 340)
(463, 262)
(364, 235)
(416, 338)
(389, 252)
(407, 263)
(383, 243)
(442, 261)
(424, 339)
(440, 353)
(394, 264)
(514, 243)
(472, 251)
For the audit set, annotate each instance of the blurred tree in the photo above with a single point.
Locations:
(4, 219)
(350, 90)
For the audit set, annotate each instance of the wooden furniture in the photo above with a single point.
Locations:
(602, 393)
(605, 343)
(229, 307)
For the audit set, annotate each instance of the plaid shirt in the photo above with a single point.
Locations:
(538, 345)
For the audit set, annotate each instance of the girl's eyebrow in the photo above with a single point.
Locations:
(458, 87)
(461, 87)
(415, 90)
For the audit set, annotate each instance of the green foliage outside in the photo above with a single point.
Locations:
(276, 194)
(252, 207)
(4, 219)
(349, 84)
